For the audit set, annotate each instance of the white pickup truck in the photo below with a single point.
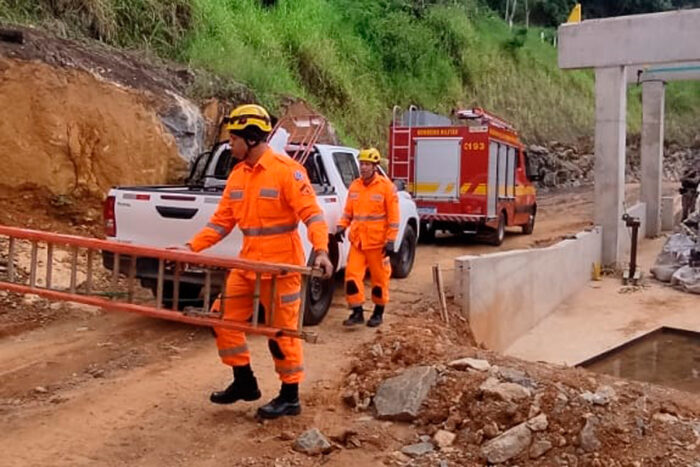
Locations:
(167, 215)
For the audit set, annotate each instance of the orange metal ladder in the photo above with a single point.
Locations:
(16, 280)
(304, 132)
(398, 130)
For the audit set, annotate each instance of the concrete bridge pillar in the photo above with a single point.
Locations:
(610, 132)
(653, 96)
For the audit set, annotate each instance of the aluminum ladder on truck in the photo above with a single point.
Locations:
(304, 131)
(397, 133)
(37, 277)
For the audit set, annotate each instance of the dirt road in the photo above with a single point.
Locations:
(94, 388)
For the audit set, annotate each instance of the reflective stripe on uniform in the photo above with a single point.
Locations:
(221, 230)
(262, 231)
(393, 226)
(236, 194)
(289, 371)
(233, 351)
(291, 298)
(269, 193)
(312, 219)
(376, 217)
(377, 197)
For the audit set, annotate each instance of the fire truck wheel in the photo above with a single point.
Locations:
(402, 261)
(530, 226)
(495, 236)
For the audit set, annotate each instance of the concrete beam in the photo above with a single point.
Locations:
(686, 71)
(610, 131)
(668, 37)
(653, 94)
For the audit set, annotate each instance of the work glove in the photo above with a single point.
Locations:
(340, 234)
(389, 248)
(323, 262)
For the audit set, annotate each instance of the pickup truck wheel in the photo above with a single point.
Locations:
(319, 295)
(495, 236)
(189, 293)
(402, 261)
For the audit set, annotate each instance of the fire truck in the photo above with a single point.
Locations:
(472, 176)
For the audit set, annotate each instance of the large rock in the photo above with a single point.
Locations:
(473, 363)
(418, 449)
(512, 375)
(444, 438)
(312, 442)
(589, 441)
(400, 398)
(538, 423)
(184, 121)
(504, 391)
(508, 445)
(539, 448)
(603, 396)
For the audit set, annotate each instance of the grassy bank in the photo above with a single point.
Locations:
(355, 59)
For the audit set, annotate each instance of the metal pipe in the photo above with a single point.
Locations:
(11, 260)
(176, 287)
(74, 270)
(150, 311)
(302, 306)
(88, 279)
(143, 251)
(273, 301)
(159, 285)
(49, 264)
(32, 265)
(132, 279)
(207, 290)
(115, 270)
(256, 299)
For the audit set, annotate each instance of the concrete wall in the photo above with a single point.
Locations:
(670, 211)
(505, 294)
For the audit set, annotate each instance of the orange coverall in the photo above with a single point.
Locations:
(266, 202)
(372, 213)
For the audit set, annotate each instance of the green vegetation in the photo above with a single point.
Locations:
(356, 59)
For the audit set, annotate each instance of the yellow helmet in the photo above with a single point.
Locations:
(245, 116)
(369, 155)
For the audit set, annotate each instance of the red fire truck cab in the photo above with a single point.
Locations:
(469, 177)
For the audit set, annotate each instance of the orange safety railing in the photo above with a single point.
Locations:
(174, 260)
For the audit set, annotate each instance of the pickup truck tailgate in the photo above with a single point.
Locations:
(172, 216)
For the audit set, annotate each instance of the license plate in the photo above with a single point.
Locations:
(431, 210)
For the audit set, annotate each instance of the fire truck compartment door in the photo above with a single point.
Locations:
(437, 166)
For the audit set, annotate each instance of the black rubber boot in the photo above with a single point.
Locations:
(286, 403)
(376, 318)
(355, 317)
(244, 387)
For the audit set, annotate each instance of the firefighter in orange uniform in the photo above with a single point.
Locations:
(372, 214)
(265, 196)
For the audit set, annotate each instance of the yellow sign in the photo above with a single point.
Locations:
(437, 132)
(575, 15)
(475, 146)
